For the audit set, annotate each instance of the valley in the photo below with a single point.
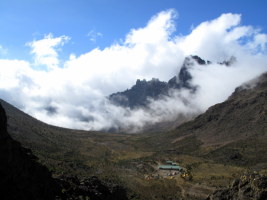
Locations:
(215, 148)
(133, 100)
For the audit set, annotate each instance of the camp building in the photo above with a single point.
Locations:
(170, 166)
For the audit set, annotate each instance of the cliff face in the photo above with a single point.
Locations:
(21, 176)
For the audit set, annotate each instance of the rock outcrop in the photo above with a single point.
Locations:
(248, 187)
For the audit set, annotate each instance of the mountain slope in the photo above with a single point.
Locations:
(21, 176)
(243, 115)
(235, 130)
(35, 134)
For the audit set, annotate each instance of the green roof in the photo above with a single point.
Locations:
(170, 167)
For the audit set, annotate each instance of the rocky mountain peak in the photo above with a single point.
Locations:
(139, 93)
(144, 92)
(140, 82)
(184, 75)
(189, 61)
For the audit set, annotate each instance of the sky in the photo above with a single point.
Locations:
(100, 23)
(60, 59)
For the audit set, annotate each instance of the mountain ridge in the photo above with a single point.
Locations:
(140, 93)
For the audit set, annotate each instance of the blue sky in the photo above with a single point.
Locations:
(107, 21)
(69, 55)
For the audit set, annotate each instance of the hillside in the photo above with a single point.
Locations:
(234, 131)
(21, 176)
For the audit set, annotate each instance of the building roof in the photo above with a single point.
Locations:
(170, 167)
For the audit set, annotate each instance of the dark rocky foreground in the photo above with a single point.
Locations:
(248, 187)
(89, 188)
(22, 177)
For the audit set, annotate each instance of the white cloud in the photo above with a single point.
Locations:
(158, 30)
(211, 39)
(45, 52)
(259, 43)
(72, 93)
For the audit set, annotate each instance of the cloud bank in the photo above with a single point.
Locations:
(72, 93)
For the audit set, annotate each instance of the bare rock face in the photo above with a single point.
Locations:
(21, 176)
(248, 187)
